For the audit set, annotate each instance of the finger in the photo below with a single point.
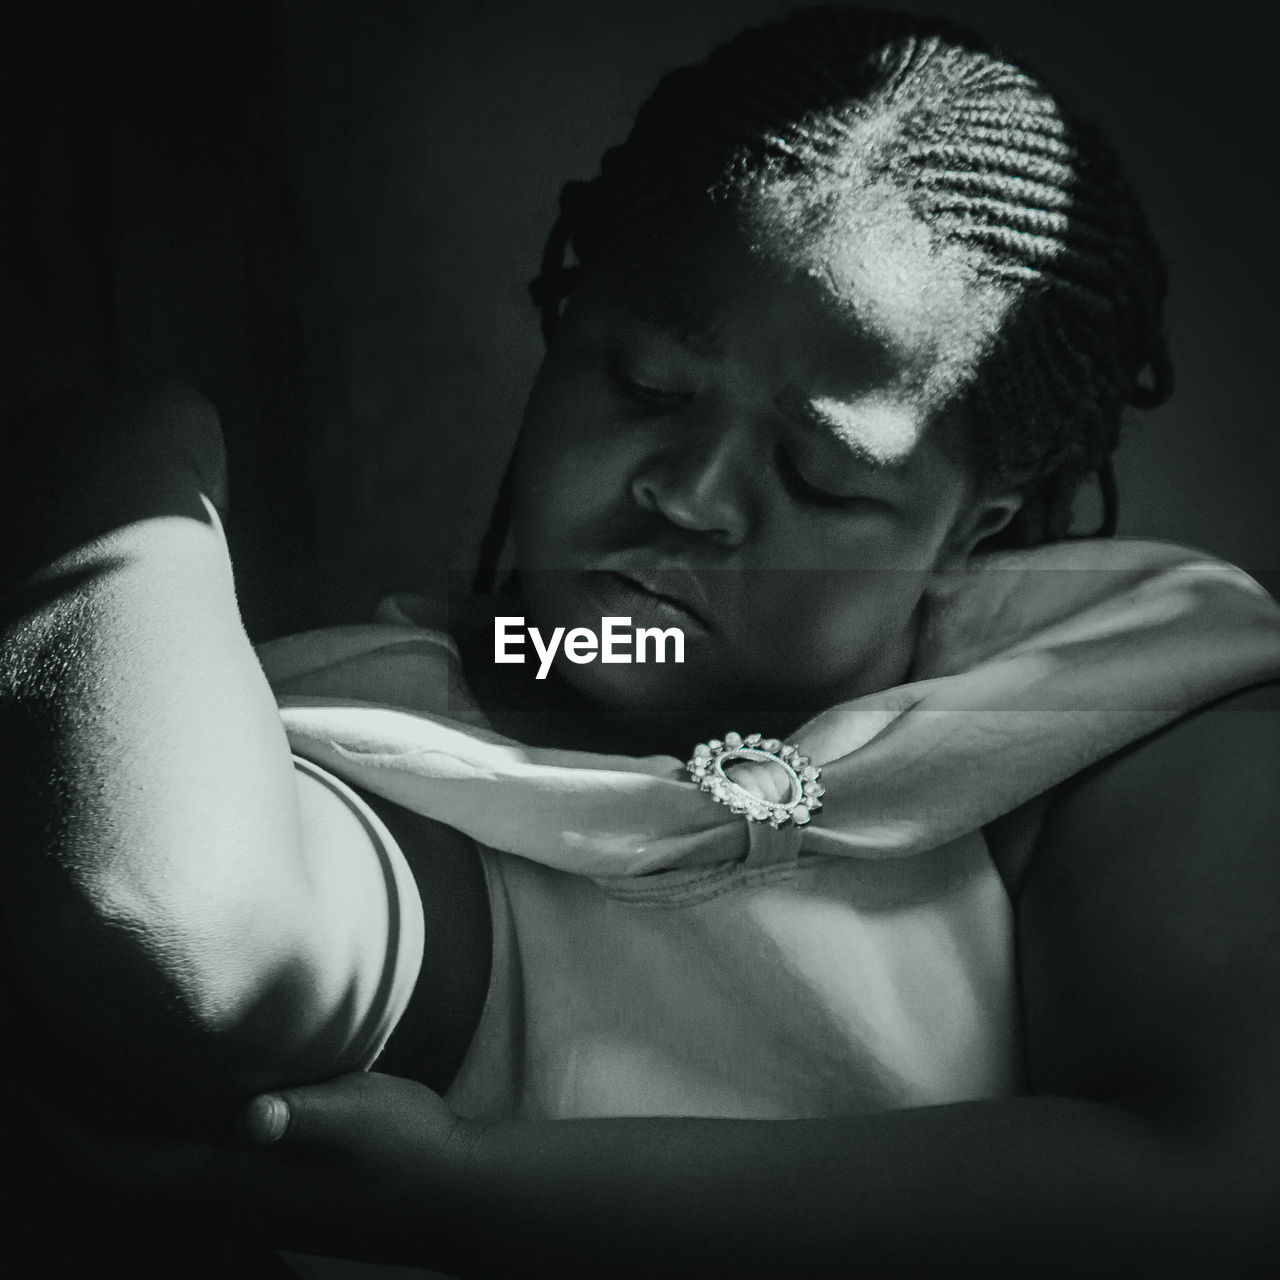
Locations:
(264, 1119)
(300, 1116)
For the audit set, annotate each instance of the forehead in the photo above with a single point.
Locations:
(874, 260)
(849, 306)
(871, 281)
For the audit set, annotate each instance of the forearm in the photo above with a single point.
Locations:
(145, 774)
(1035, 1186)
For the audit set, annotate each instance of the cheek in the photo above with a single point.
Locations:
(877, 537)
(832, 618)
(847, 597)
(569, 464)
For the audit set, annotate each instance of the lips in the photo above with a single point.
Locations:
(670, 587)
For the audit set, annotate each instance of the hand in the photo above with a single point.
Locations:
(366, 1166)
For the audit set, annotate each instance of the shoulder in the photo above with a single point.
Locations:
(1224, 758)
(1213, 774)
(1147, 915)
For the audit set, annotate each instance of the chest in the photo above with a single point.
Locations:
(836, 986)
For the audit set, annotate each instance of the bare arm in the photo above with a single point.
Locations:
(1148, 941)
(1148, 948)
(160, 909)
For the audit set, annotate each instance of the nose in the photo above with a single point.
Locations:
(700, 482)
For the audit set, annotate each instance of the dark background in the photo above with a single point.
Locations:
(324, 215)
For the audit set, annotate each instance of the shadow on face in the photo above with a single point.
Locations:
(739, 431)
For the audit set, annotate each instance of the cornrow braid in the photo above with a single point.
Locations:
(1030, 197)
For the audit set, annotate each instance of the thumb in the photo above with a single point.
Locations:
(264, 1119)
(303, 1115)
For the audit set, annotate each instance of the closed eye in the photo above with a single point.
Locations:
(800, 488)
(644, 392)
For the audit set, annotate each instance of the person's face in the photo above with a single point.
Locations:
(741, 441)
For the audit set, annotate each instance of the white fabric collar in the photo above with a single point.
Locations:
(1031, 665)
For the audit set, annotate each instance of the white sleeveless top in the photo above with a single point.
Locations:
(656, 955)
(812, 986)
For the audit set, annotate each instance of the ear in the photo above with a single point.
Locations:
(978, 522)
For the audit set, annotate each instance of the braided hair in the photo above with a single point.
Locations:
(1030, 197)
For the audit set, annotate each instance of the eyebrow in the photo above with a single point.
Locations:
(695, 328)
(692, 327)
(805, 411)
